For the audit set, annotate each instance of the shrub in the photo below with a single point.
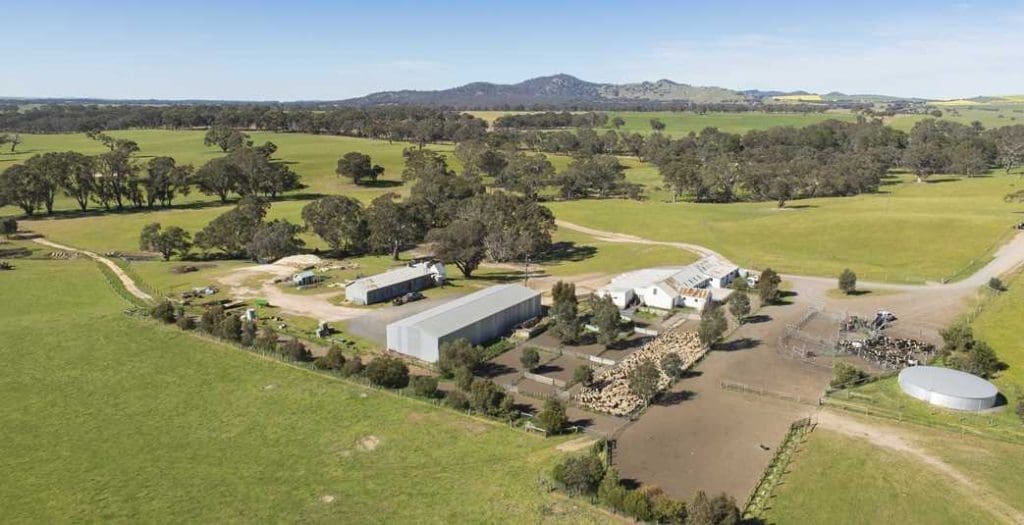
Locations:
(739, 306)
(457, 354)
(768, 286)
(552, 417)
(719, 510)
(266, 341)
(163, 311)
(332, 360)
(486, 397)
(579, 474)
(637, 504)
(248, 334)
(296, 351)
(4, 265)
(848, 281)
(8, 226)
(610, 491)
(209, 322)
(425, 386)
(184, 321)
(672, 365)
(712, 326)
(996, 284)
(388, 372)
(846, 375)
(352, 367)
(230, 328)
(464, 378)
(584, 375)
(530, 359)
(456, 400)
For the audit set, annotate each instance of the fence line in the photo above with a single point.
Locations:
(757, 503)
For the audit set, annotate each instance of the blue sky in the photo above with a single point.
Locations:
(255, 50)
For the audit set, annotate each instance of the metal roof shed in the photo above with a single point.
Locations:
(478, 317)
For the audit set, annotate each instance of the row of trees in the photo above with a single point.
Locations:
(420, 125)
(587, 475)
(116, 179)
(552, 119)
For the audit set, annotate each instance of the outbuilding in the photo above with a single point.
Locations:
(478, 317)
(305, 278)
(395, 283)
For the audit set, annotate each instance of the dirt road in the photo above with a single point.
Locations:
(127, 281)
(1007, 258)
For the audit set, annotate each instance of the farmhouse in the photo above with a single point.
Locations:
(666, 288)
(395, 283)
(478, 317)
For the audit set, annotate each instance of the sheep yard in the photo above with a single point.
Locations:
(117, 419)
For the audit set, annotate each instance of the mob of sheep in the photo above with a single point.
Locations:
(610, 392)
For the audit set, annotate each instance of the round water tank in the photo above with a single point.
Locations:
(948, 388)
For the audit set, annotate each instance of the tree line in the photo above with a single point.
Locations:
(418, 125)
(117, 179)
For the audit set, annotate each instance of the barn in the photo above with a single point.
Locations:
(478, 317)
(395, 283)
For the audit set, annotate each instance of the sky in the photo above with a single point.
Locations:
(329, 50)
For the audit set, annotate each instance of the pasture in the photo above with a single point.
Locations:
(834, 478)
(907, 233)
(116, 419)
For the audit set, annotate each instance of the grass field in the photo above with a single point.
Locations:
(816, 236)
(313, 157)
(113, 419)
(908, 233)
(838, 479)
(999, 324)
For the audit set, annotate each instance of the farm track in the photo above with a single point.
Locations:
(127, 281)
(1007, 258)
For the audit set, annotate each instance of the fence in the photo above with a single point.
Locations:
(757, 503)
(118, 287)
(747, 389)
(544, 379)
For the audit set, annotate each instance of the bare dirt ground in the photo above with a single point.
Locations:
(705, 437)
(902, 441)
(239, 285)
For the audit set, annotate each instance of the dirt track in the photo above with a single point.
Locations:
(901, 441)
(127, 281)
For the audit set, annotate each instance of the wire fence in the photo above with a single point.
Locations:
(760, 498)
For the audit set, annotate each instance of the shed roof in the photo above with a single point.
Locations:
(714, 267)
(394, 276)
(301, 276)
(466, 310)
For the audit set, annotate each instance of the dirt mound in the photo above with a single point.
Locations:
(368, 443)
(299, 261)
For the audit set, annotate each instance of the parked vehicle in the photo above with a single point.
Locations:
(407, 298)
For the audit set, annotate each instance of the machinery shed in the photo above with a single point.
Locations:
(478, 317)
(394, 283)
(948, 388)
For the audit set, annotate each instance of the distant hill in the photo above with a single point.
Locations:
(556, 90)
